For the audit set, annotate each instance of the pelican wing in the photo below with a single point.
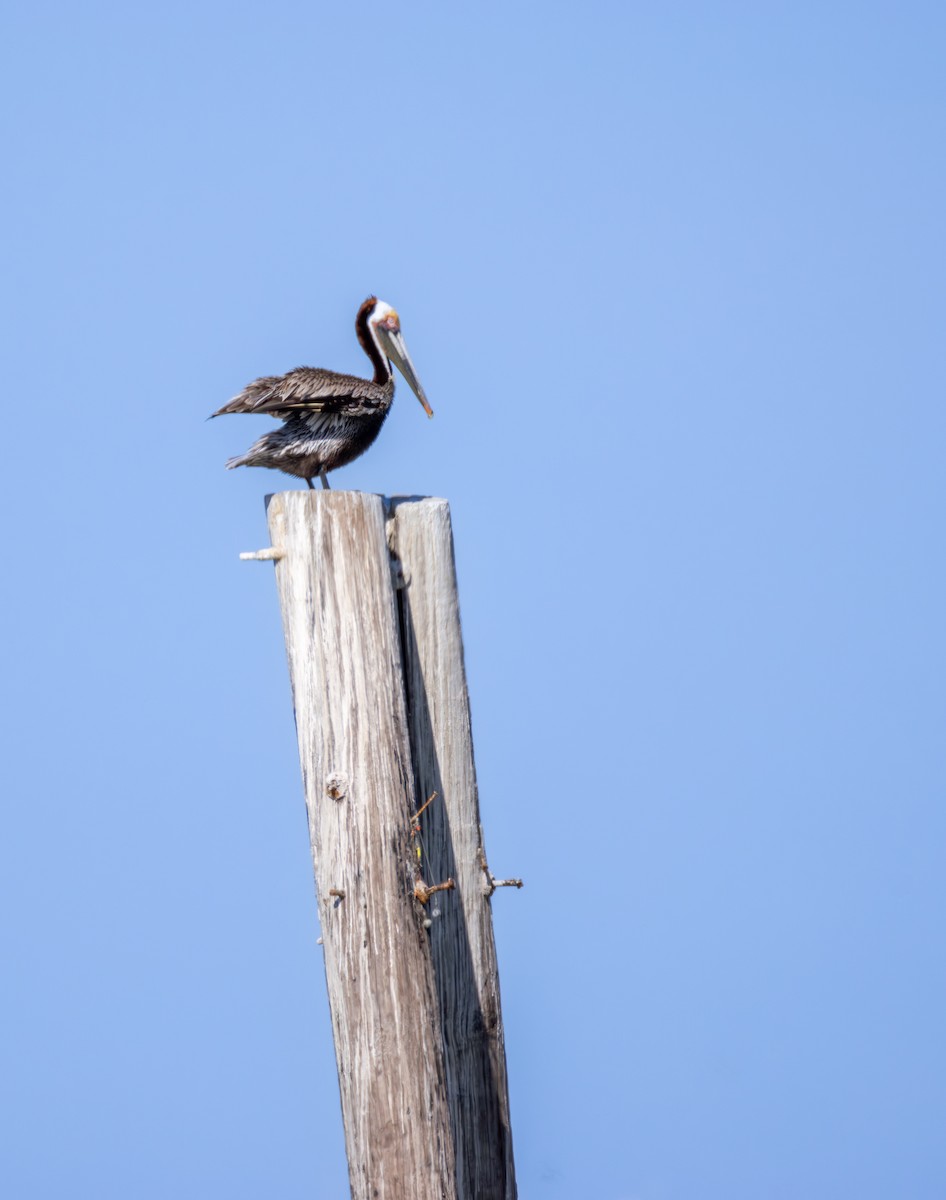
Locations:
(306, 389)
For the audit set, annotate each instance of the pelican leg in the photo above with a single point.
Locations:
(324, 477)
(311, 485)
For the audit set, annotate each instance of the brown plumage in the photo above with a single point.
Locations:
(329, 418)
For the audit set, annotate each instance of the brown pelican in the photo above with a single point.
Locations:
(329, 418)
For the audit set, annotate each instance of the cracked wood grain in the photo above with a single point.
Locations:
(464, 952)
(344, 649)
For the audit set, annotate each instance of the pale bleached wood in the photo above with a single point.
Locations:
(464, 951)
(340, 622)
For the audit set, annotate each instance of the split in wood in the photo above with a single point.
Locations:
(270, 554)
(492, 882)
(423, 893)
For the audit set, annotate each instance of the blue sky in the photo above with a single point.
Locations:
(672, 277)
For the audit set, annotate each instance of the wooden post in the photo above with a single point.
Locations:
(410, 964)
(451, 839)
(342, 640)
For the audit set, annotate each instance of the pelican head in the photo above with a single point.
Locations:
(385, 325)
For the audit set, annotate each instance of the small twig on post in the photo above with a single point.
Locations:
(430, 799)
(415, 833)
(492, 883)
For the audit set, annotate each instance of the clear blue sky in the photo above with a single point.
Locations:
(672, 277)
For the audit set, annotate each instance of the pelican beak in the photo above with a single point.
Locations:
(393, 343)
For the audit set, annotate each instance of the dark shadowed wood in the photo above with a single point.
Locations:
(451, 839)
(343, 644)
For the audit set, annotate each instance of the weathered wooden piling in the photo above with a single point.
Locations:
(371, 618)
(464, 952)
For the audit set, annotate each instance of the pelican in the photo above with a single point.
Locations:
(329, 419)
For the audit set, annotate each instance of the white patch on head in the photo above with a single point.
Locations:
(381, 310)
